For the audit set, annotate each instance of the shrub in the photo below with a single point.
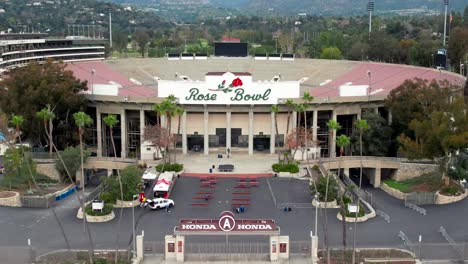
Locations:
(105, 211)
(322, 187)
(316, 167)
(346, 199)
(169, 167)
(282, 167)
(361, 212)
(71, 159)
(131, 177)
(450, 190)
(107, 197)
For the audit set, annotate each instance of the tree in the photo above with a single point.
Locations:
(142, 38)
(416, 99)
(17, 121)
(47, 116)
(376, 140)
(440, 136)
(274, 110)
(457, 46)
(290, 106)
(111, 121)
(331, 53)
(71, 162)
(333, 126)
(159, 136)
(307, 100)
(342, 141)
(34, 86)
(295, 140)
(81, 121)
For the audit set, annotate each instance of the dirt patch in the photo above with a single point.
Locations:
(421, 188)
(7, 194)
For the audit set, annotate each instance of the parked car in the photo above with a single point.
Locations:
(158, 203)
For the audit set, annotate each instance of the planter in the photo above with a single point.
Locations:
(393, 192)
(95, 219)
(126, 204)
(353, 219)
(329, 205)
(11, 199)
(444, 199)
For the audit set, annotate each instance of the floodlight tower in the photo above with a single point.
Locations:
(446, 2)
(370, 9)
(109, 7)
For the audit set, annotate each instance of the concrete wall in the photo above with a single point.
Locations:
(194, 123)
(393, 192)
(48, 169)
(412, 170)
(241, 120)
(215, 120)
(443, 199)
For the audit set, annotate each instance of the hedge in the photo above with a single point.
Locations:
(281, 167)
(169, 167)
(105, 211)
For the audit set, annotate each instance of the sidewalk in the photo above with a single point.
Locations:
(159, 259)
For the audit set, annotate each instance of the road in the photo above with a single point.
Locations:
(17, 225)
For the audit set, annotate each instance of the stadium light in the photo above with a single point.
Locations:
(370, 9)
(446, 2)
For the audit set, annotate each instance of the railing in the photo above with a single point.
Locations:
(416, 208)
(406, 241)
(384, 215)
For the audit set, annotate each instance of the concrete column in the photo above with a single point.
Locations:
(358, 115)
(140, 249)
(251, 116)
(228, 130)
(163, 121)
(184, 132)
(274, 248)
(205, 133)
(99, 132)
(376, 110)
(377, 177)
(346, 172)
(123, 132)
(142, 128)
(390, 117)
(314, 249)
(272, 134)
(315, 125)
(333, 140)
(293, 121)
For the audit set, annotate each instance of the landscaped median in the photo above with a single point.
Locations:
(426, 183)
(362, 216)
(106, 215)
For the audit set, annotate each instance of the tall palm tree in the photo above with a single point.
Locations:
(81, 121)
(275, 110)
(307, 100)
(299, 108)
(290, 106)
(167, 108)
(47, 116)
(362, 125)
(111, 121)
(178, 111)
(343, 141)
(333, 126)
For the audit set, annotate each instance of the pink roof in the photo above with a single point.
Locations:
(103, 74)
(383, 76)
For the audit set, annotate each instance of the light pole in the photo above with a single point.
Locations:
(316, 213)
(370, 8)
(446, 2)
(135, 196)
(369, 75)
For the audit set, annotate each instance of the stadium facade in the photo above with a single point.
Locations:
(228, 101)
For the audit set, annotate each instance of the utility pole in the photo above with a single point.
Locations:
(110, 25)
(446, 2)
(370, 9)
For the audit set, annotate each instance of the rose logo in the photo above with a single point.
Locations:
(226, 89)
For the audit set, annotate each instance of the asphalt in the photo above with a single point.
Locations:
(17, 225)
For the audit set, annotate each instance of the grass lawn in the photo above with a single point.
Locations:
(429, 182)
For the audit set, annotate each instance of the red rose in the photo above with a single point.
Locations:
(236, 82)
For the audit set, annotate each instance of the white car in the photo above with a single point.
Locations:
(160, 203)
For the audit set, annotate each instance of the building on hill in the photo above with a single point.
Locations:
(17, 49)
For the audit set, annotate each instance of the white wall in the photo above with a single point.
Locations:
(239, 120)
(194, 123)
(216, 120)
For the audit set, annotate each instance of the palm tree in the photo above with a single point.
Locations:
(17, 121)
(275, 110)
(47, 116)
(299, 108)
(332, 125)
(290, 106)
(343, 141)
(111, 121)
(362, 125)
(307, 100)
(82, 120)
(178, 111)
(167, 108)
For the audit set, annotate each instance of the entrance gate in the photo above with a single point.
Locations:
(177, 248)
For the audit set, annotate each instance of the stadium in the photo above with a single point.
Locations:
(227, 97)
(228, 101)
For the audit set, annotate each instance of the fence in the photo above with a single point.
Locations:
(45, 201)
(238, 251)
(420, 198)
(95, 193)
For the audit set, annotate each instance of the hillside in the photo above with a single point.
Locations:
(53, 16)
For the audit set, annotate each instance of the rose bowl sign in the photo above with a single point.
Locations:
(225, 224)
(228, 89)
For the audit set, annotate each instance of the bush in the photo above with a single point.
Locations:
(131, 177)
(316, 167)
(105, 211)
(169, 167)
(72, 160)
(450, 190)
(282, 167)
(107, 197)
(322, 187)
(361, 212)
(346, 199)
